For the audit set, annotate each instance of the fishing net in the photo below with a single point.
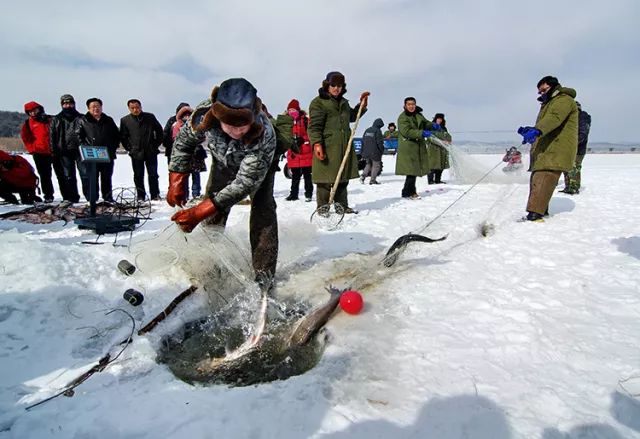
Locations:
(328, 216)
(466, 169)
(210, 259)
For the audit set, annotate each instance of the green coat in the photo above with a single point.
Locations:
(329, 120)
(556, 148)
(284, 137)
(438, 155)
(391, 134)
(412, 157)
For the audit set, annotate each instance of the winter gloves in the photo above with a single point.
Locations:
(435, 126)
(529, 134)
(426, 133)
(318, 151)
(177, 194)
(188, 219)
(364, 99)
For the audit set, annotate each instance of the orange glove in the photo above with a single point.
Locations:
(364, 99)
(188, 219)
(177, 194)
(318, 150)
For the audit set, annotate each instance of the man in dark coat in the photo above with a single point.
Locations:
(95, 128)
(141, 135)
(64, 145)
(242, 143)
(573, 177)
(372, 150)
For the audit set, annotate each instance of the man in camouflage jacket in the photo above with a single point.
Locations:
(242, 142)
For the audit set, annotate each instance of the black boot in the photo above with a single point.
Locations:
(536, 217)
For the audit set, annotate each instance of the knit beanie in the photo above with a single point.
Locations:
(294, 104)
(67, 98)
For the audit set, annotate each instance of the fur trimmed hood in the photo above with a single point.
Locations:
(183, 111)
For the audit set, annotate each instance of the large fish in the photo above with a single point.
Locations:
(271, 352)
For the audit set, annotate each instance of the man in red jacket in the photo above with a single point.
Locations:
(35, 136)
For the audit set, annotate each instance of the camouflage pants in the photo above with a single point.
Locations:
(323, 191)
(263, 223)
(573, 177)
(541, 187)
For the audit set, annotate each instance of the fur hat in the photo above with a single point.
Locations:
(30, 106)
(234, 102)
(293, 103)
(67, 98)
(335, 78)
(443, 124)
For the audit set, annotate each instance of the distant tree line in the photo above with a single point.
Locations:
(10, 122)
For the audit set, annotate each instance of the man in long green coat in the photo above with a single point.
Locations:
(438, 154)
(329, 132)
(392, 131)
(554, 141)
(412, 159)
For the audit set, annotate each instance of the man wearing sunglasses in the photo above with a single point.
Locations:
(554, 143)
(329, 130)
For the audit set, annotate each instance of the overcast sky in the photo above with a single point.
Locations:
(476, 61)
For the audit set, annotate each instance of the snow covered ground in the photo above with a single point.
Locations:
(525, 333)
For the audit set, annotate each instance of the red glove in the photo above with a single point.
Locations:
(318, 150)
(177, 194)
(188, 219)
(364, 99)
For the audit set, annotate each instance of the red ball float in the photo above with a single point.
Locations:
(351, 302)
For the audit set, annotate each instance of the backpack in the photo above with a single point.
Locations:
(17, 171)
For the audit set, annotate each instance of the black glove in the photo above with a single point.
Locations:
(297, 142)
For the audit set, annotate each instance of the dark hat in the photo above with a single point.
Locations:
(335, 78)
(234, 102)
(98, 100)
(180, 105)
(391, 124)
(551, 81)
(30, 106)
(438, 115)
(67, 98)
(293, 103)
